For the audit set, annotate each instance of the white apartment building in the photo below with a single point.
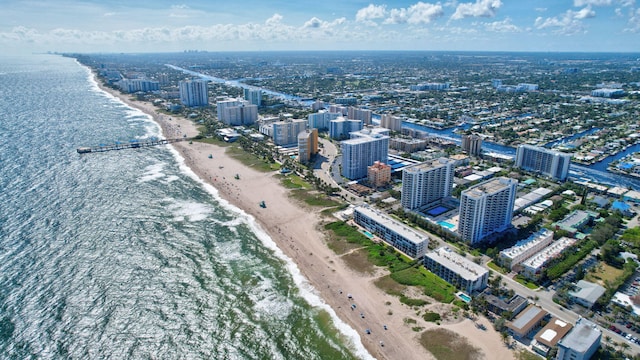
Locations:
(402, 237)
(236, 112)
(581, 342)
(363, 150)
(526, 248)
(486, 209)
(391, 122)
(547, 162)
(285, 133)
(193, 92)
(426, 184)
(533, 267)
(457, 270)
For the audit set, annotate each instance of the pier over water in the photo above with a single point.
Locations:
(133, 144)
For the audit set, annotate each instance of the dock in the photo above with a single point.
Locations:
(132, 144)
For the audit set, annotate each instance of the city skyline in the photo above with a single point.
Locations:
(167, 26)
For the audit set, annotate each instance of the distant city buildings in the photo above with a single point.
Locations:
(307, 145)
(607, 93)
(362, 150)
(402, 237)
(321, 119)
(429, 86)
(237, 112)
(486, 209)
(472, 144)
(253, 96)
(285, 133)
(391, 122)
(194, 93)
(378, 174)
(457, 270)
(547, 162)
(426, 184)
(340, 128)
(354, 113)
(135, 85)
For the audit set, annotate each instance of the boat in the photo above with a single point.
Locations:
(262, 204)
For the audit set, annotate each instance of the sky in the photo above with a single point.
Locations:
(137, 26)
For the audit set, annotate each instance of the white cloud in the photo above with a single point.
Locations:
(275, 19)
(180, 6)
(584, 13)
(315, 23)
(418, 13)
(371, 12)
(505, 26)
(580, 3)
(568, 23)
(481, 8)
(633, 26)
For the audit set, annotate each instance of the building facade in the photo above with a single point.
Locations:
(285, 133)
(361, 151)
(547, 162)
(379, 174)
(581, 342)
(524, 249)
(472, 144)
(404, 238)
(340, 128)
(194, 92)
(355, 113)
(457, 270)
(486, 208)
(236, 112)
(253, 96)
(426, 184)
(321, 119)
(307, 145)
(391, 122)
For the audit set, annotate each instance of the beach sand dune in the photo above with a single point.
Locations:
(294, 228)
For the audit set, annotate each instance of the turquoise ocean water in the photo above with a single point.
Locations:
(126, 254)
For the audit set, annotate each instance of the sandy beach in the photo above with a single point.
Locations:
(294, 228)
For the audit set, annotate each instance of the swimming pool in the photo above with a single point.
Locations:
(367, 234)
(466, 298)
(446, 224)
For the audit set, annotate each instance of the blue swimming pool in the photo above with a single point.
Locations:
(446, 224)
(368, 234)
(466, 298)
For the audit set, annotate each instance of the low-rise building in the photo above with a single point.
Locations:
(407, 240)
(581, 342)
(524, 249)
(550, 335)
(505, 306)
(575, 221)
(586, 293)
(533, 267)
(526, 324)
(457, 270)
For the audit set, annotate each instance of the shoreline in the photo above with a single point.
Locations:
(293, 229)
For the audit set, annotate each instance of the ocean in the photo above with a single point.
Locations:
(127, 254)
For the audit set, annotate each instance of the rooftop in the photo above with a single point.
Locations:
(555, 330)
(396, 226)
(429, 165)
(460, 265)
(584, 334)
(489, 187)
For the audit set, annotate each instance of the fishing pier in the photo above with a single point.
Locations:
(132, 144)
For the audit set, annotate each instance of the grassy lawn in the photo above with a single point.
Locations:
(390, 286)
(292, 181)
(314, 198)
(522, 280)
(359, 261)
(251, 160)
(447, 345)
(433, 286)
(603, 274)
(496, 267)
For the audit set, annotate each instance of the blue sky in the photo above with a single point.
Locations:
(262, 25)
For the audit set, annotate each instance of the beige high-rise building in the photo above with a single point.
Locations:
(472, 144)
(391, 122)
(379, 174)
(307, 145)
